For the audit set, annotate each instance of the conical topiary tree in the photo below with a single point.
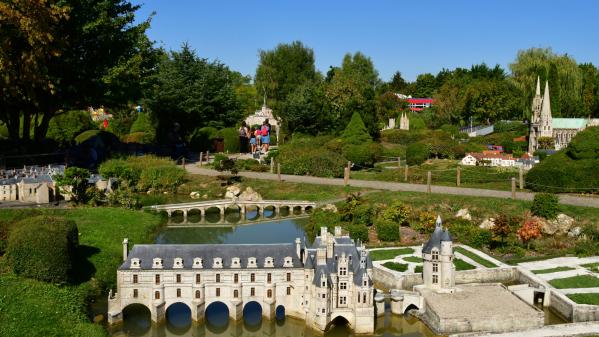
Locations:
(355, 132)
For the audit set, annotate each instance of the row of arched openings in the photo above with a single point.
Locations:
(232, 214)
(137, 318)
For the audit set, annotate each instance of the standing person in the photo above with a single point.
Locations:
(265, 131)
(258, 135)
(243, 137)
(253, 140)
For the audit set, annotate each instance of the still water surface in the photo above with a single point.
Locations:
(238, 231)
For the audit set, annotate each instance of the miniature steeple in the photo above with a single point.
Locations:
(546, 122)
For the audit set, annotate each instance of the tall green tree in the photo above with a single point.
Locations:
(192, 92)
(425, 86)
(590, 89)
(93, 53)
(282, 69)
(304, 110)
(397, 84)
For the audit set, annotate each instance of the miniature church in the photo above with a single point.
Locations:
(543, 125)
(437, 253)
(404, 122)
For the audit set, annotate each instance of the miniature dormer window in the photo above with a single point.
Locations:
(178, 263)
(218, 262)
(252, 262)
(197, 263)
(157, 263)
(135, 263)
(288, 262)
(269, 262)
(435, 254)
(235, 263)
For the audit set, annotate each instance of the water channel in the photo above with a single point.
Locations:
(236, 231)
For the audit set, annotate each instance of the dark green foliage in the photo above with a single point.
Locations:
(75, 180)
(355, 132)
(43, 248)
(193, 92)
(469, 233)
(545, 205)
(560, 173)
(387, 230)
(201, 138)
(231, 138)
(585, 145)
(64, 127)
(416, 123)
(161, 178)
(227, 164)
(510, 126)
(120, 169)
(143, 125)
(321, 218)
(363, 155)
(124, 197)
(417, 153)
(251, 165)
(315, 161)
(358, 231)
(363, 214)
(347, 210)
(144, 172)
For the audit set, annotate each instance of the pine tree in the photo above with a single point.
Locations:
(355, 132)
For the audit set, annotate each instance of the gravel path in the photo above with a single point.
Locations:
(392, 186)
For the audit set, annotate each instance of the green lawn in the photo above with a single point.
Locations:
(418, 269)
(475, 257)
(462, 265)
(551, 270)
(34, 308)
(415, 259)
(585, 298)
(594, 267)
(513, 261)
(580, 281)
(396, 266)
(388, 254)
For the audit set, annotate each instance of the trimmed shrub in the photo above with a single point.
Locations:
(362, 154)
(387, 230)
(545, 205)
(585, 145)
(43, 248)
(201, 139)
(358, 231)
(317, 162)
(363, 214)
(64, 127)
(417, 123)
(231, 139)
(143, 124)
(355, 132)
(138, 137)
(417, 153)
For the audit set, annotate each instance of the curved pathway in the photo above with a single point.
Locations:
(393, 186)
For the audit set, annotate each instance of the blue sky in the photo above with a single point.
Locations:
(413, 37)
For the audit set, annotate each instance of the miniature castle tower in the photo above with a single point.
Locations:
(437, 253)
(404, 122)
(541, 122)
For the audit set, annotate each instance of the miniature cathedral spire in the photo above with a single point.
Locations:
(538, 92)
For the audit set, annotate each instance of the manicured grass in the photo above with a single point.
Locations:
(594, 267)
(585, 298)
(475, 257)
(388, 254)
(513, 261)
(34, 308)
(418, 269)
(413, 259)
(551, 270)
(396, 266)
(580, 281)
(462, 265)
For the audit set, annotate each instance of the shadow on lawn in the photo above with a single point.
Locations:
(83, 269)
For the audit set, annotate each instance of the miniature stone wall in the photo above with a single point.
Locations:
(495, 275)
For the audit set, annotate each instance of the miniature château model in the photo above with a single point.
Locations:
(331, 279)
(404, 122)
(261, 115)
(562, 130)
(437, 253)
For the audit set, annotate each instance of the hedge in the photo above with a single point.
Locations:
(387, 230)
(317, 162)
(417, 153)
(231, 139)
(43, 248)
(545, 205)
(362, 154)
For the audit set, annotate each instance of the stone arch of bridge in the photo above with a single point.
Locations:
(217, 316)
(339, 320)
(178, 316)
(410, 306)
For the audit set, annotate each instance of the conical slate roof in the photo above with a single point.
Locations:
(438, 235)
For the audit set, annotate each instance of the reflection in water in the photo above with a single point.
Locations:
(178, 318)
(278, 231)
(217, 324)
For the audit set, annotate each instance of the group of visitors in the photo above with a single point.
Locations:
(258, 138)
